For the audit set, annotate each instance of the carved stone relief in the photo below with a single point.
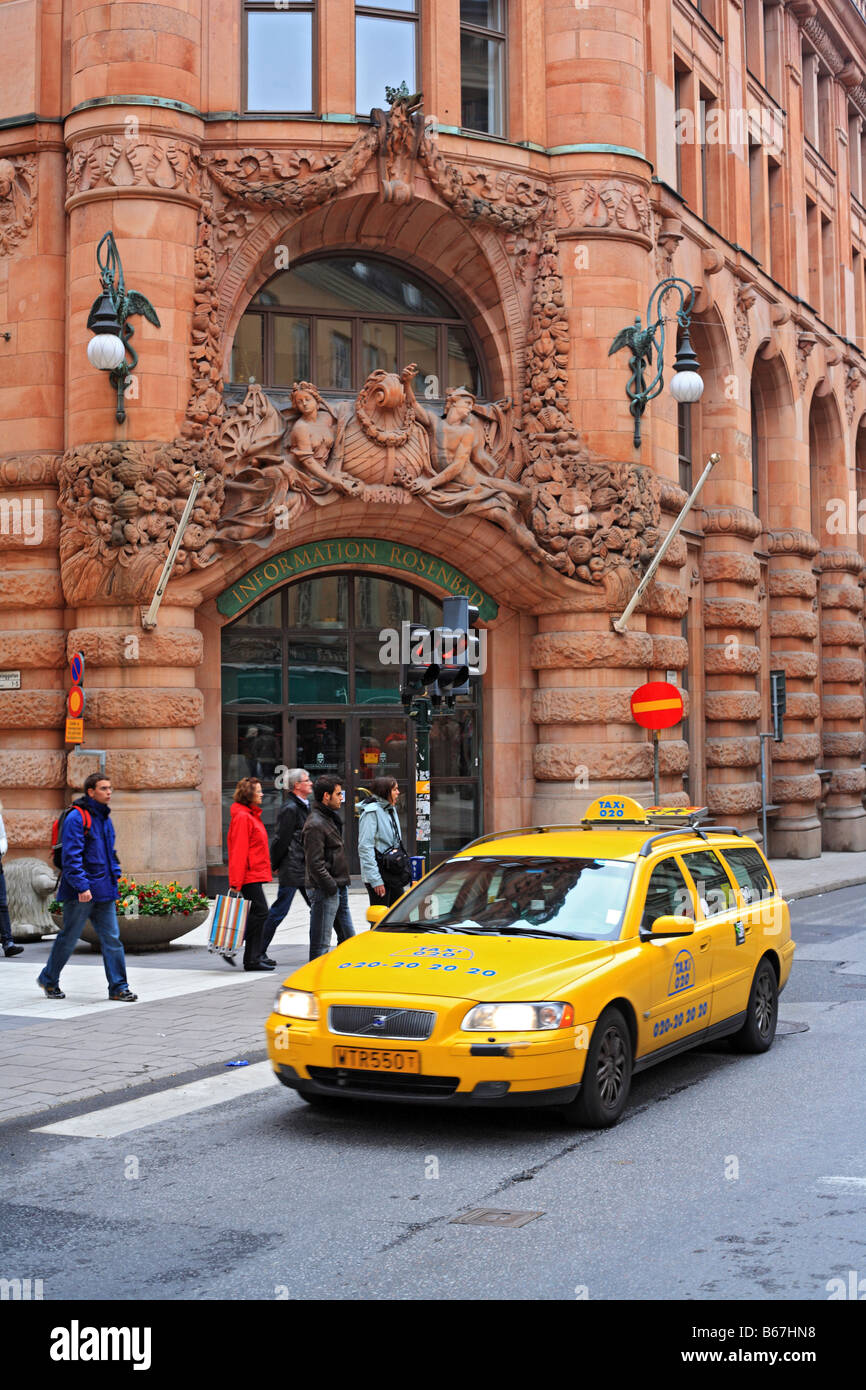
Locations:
(743, 301)
(17, 199)
(131, 161)
(853, 376)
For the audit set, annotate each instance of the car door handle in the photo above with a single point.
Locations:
(705, 945)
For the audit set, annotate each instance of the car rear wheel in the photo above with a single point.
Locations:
(762, 1013)
(606, 1076)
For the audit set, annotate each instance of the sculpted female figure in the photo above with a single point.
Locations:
(465, 478)
(311, 439)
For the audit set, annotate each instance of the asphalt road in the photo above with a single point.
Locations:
(734, 1178)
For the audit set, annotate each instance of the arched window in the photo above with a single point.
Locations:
(335, 321)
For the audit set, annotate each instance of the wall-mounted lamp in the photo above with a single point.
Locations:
(686, 384)
(108, 321)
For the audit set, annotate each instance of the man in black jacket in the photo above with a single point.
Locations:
(287, 854)
(327, 868)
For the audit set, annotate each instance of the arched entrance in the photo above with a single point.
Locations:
(303, 685)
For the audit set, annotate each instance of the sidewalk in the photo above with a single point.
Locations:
(194, 1011)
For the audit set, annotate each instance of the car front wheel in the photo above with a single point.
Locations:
(762, 1013)
(606, 1076)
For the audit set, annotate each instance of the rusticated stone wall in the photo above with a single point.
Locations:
(32, 760)
(731, 663)
(842, 706)
(144, 710)
(796, 786)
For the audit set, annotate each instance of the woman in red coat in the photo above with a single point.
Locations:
(250, 866)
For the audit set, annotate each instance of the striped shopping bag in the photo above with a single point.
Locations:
(230, 912)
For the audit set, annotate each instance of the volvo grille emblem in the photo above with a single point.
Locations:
(380, 1020)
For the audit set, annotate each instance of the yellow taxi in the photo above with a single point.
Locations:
(545, 967)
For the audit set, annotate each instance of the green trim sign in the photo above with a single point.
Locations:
(351, 551)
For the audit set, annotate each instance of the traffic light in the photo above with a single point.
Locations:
(418, 667)
(458, 647)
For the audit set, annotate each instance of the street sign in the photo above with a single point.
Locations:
(76, 668)
(657, 705)
(10, 680)
(75, 731)
(75, 702)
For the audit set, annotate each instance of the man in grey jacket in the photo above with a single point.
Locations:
(327, 867)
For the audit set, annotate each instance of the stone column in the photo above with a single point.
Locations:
(842, 705)
(143, 709)
(731, 662)
(796, 786)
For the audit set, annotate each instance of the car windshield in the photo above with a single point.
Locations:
(581, 899)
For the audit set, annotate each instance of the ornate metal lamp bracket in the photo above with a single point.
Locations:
(111, 312)
(641, 341)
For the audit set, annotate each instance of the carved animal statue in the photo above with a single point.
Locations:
(30, 886)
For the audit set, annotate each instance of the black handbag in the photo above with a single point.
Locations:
(394, 864)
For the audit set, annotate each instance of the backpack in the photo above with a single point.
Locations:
(57, 832)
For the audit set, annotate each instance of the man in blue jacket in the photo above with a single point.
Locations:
(88, 888)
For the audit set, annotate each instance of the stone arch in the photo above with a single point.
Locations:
(715, 418)
(469, 264)
(828, 478)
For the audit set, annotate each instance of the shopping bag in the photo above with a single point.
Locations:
(229, 923)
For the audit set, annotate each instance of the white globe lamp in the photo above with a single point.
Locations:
(106, 352)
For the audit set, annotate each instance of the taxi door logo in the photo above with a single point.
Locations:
(682, 974)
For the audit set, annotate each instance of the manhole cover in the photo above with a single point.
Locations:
(784, 1028)
(490, 1216)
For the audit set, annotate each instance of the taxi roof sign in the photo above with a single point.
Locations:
(624, 810)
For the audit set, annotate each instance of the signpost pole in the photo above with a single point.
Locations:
(421, 714)
(656, 792)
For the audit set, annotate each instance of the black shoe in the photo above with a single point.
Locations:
(259, 965)
(125, 996)
(267, 960)
(12, 950)
(51, 991)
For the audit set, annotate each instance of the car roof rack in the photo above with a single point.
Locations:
(687, 826)
(703, 831)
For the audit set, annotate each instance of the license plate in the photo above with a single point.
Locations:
(377, 1059)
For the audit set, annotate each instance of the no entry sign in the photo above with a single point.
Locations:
(76, 668)
(657, 705)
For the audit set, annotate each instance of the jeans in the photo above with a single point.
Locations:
(253, 948)
(327, 911)
(104, 918)
(279, 909)
(388, 898)
(5, 924)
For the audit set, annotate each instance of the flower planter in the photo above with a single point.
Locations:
(150, 933)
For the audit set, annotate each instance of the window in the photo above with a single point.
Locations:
(279, 56)
(335, 321)
(756, 200)
(715, 893)
(482, 65)
(666, 894)
(684, 436)
(751, 874)
(386, 51)
(756, 459)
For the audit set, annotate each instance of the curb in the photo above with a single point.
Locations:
(818, 889)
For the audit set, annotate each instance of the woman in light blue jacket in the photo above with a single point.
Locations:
(379, 830)
(9, 947)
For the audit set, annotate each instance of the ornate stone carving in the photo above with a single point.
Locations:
(852, 382)
(120, 505)
(31, 885)
(591, 516)
(743, 301)
(614, 203)
(289, 180)
(383, 447)
(805, 344)
(17, 199)
(29, 470)
(668, 236)
(813, 27)
(204, 410)
(133, 161)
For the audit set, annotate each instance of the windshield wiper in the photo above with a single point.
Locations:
(559, 935)
(412, 926)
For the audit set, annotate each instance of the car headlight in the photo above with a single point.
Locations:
(296, 1003)
(518, 1018)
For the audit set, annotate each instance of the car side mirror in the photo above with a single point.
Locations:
(375, 913)
(669, 925)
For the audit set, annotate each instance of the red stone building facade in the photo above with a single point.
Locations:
(497, 232)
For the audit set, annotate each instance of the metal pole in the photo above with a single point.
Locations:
(148, 619)
(763, 738)
(656, 791)
(421, 713)
(620, 624)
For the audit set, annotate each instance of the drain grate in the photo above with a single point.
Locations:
(490, 1216)
(782, 1029)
